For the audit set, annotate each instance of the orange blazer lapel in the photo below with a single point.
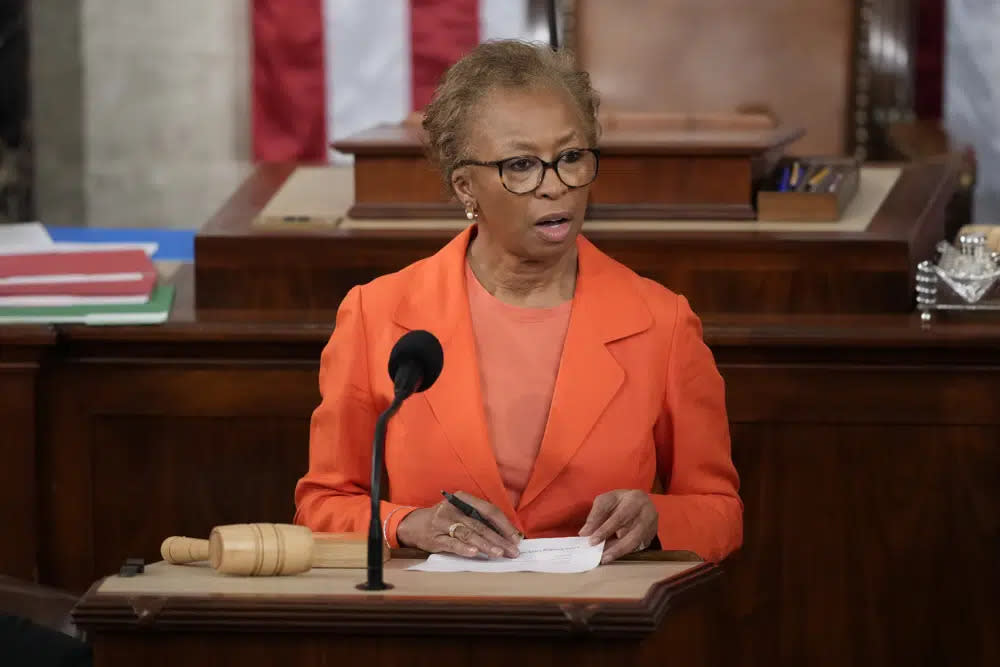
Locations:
(440, 304)
(606, 308)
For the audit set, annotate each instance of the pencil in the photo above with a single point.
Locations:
(796, 175)
(818, 177)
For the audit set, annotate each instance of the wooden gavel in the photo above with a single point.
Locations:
(270, 549)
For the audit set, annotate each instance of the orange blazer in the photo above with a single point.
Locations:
(638, 404)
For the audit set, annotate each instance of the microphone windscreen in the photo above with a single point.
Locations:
(421, 348)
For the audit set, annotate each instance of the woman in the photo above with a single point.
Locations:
(571, 386)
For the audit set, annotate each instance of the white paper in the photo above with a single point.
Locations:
(93, 319)
(149, 248)
(556, 555)
(75, 278)
(24, 237)
(32, 237)
(17, 248)
(57, 300)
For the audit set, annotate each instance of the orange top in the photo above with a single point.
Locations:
(518, 351)
(637, 398)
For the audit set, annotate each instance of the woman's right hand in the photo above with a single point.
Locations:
(428, 529)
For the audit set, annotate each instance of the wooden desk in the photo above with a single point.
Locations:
(625, 613)
(868, 450)
(170, 425)
(22, 351)
(724, 267)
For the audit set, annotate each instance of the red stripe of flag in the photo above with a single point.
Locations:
(289, 81)
(442, 31)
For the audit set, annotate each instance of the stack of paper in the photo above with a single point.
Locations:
(42, 281)
(553, 555)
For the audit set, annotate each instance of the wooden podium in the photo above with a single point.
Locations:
(653, 166)
(625, 613)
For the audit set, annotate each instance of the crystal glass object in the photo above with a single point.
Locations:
(970, 270)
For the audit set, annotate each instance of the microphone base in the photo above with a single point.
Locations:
(366, 586)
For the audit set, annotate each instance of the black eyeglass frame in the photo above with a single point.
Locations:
(545, 165)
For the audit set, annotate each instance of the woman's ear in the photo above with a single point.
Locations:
(462, 186)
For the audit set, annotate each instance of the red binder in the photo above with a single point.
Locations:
(83, 272)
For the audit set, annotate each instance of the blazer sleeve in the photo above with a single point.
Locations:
(701, 510)
(333, 496)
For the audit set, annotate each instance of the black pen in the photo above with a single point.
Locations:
(469, 511)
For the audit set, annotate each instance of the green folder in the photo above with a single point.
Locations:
(154, 311)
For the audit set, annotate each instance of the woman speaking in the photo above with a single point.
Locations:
(576, 398)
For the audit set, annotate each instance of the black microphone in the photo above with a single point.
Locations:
(414, 365)
(415, 362)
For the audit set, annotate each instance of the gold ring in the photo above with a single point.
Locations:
(452, 528)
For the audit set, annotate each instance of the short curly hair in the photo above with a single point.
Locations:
(496, 64)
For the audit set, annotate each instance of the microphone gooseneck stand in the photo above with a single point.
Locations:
(405, 385)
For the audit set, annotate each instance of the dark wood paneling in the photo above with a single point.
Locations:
(684, 640)
(676, 167)
(400, 180)
(21, 352)
(138, 451)
(630, 186)
(875, 339)
(188, 475)
(17, 458)
(868, 449)
(831, 394)
(626, 180)
(866, 545)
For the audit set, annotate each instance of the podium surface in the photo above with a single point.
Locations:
(190, 614)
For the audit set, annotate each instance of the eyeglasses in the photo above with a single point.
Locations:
(522, 174)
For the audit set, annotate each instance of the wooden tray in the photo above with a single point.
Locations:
(823, 191)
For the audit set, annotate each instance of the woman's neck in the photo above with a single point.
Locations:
(521, 282)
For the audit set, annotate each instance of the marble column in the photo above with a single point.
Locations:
(167, 122)
(142, 109)
(56, 83)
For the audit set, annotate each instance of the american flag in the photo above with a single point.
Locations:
(326, 69)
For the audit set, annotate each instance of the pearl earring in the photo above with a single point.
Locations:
(470, 212)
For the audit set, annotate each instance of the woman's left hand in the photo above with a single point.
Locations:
(627, 519)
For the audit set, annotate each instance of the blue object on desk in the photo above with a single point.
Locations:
(784, 179)
(173, 244)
